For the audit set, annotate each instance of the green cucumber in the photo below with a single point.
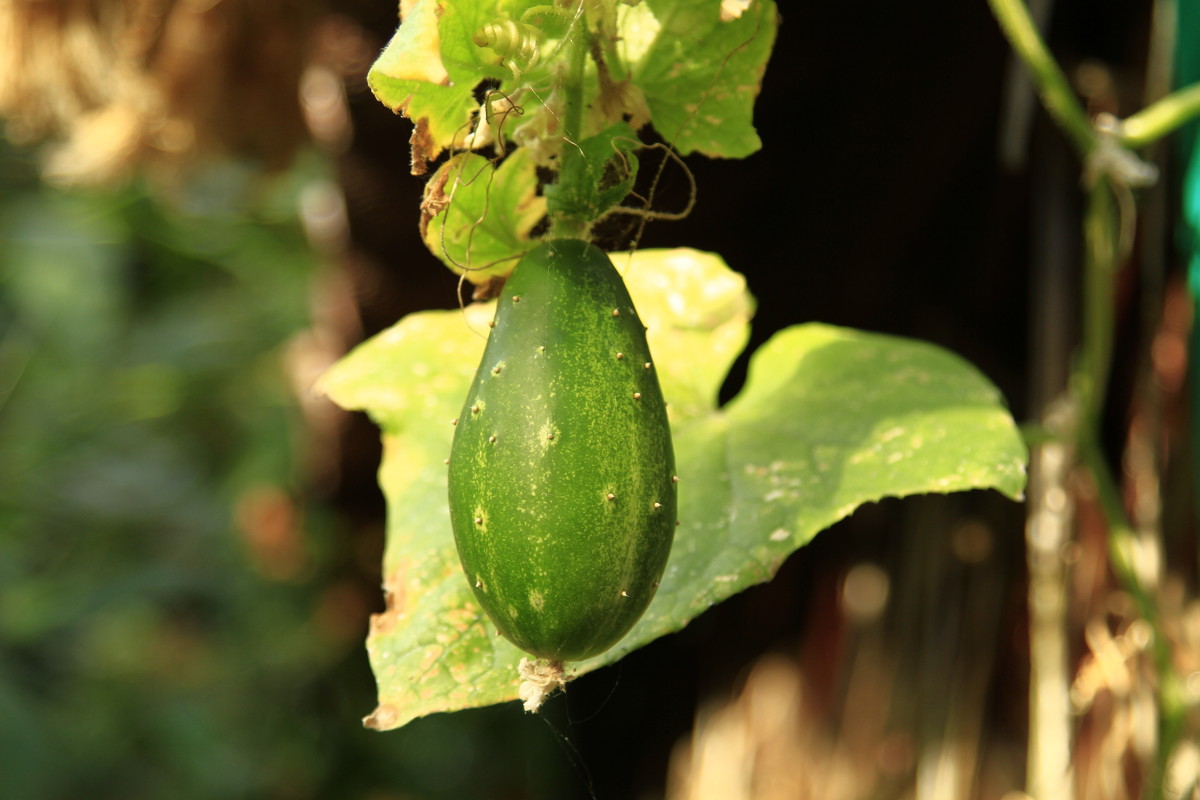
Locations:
(562, 487)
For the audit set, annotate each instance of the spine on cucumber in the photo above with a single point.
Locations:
(562, 488)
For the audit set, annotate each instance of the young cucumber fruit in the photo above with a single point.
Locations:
(562, 488)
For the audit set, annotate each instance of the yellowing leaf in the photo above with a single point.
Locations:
(416, 76)
(479, 216)
(415, 51)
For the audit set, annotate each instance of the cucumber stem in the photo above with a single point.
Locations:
(571, 118)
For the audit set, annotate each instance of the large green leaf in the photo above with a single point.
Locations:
(829, 419)
(701, 74)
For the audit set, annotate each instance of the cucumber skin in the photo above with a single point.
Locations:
(562, 570)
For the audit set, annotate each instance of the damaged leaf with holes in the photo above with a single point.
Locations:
(691, 69)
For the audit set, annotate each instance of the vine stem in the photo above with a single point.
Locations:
(1087, 389)
(1090, 377)
(1103, 255)
(1161, 117)
(1052, 84)
(1089, 382)
(571, 119)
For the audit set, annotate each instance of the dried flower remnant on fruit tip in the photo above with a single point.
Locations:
(539, 679)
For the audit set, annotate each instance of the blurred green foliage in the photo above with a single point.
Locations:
(150, 645)
(140, 397)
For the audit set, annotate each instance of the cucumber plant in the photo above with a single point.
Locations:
(562, 493)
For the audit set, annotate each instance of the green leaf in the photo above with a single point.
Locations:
(829, 419)
(700, 75)
(694, 74)
(691, 304)
(487, 213)
(591, 185)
